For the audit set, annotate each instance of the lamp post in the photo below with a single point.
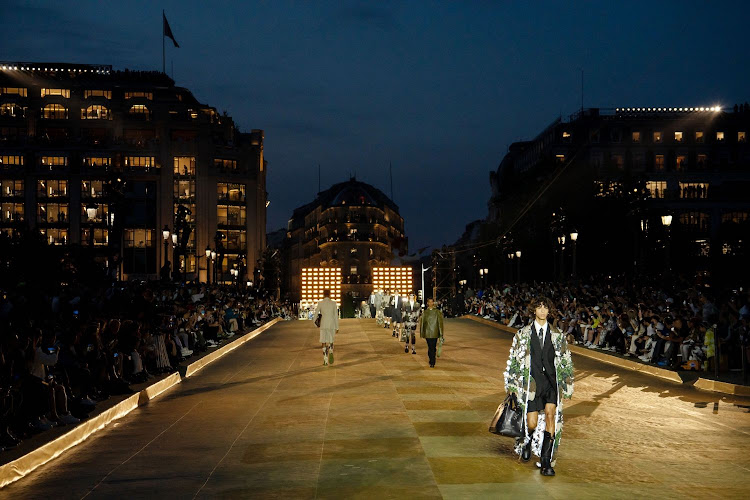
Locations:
(561, 241)
(165, 234)
(176, 257)
(510, 267)
(573, 239)
(518, 259)
(666, 221)
(91, 210)
(208, 268)
(424, 299)
(213, 262)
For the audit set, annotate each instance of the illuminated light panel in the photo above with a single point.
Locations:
(315, 280)
(395, 279)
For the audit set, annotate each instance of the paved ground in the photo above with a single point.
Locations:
(269, 421)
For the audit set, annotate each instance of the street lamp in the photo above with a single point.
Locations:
(91, 210)
(213, 262)
(666, 221)
(208, 269)
(573, 239)
(518, 271)
(165, 235)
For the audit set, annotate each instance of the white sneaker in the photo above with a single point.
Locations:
(69, 419)
(644, 358)
(186, 352)
(594, 346)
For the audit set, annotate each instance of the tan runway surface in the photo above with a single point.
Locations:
(270, 421)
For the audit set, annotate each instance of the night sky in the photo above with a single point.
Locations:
(438, 89)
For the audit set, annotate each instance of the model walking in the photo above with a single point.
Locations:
(431, 329)
(329, 325)
(540, 373)
(411, 311)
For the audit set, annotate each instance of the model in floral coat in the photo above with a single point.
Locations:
(531, 383)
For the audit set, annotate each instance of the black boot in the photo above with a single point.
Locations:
(526, 453)
(547, 469)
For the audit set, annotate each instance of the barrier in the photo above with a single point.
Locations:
(16, 469)
(725, 387)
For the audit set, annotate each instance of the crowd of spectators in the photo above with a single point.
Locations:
(674, 327)
(64, 351)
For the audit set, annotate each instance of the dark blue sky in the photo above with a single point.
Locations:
(439, 89)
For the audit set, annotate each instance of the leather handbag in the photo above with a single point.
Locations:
(508, 418)
(317, 320)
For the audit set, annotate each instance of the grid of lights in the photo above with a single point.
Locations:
(667, 110)
(396, 279)
(317, 279)
(8, 66)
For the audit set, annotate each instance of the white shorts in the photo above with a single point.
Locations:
(327, 336)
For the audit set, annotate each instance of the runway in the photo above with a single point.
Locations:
(270, 421)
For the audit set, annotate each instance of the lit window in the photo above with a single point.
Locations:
(96, 112)
(222, 164)
(92, 189)
(61, 92)
(678, 136)
(657, 137)
(55, 112)
(184, 190)
(353, 251)
(97, 161)
(734, 217)
(699, 136)
(141, 111)
(618, 161)
(353, 270)
(19, 91)
(140, 162)
(681, 163)
(107, 94)
(697, 221)
(184, 166)
(694, 190)
(656, 188)
(101, 236)
(566, 136)
(230, 192)
(54, 161)
(659, 162)
(138, 238)
(560, 158)
(102, 213)
(6, 160)
(636, 137)
(52, 213)
(52, 188)
(144, 95)
(55, 236)
(11, 188)
(702, 161)
(12, 110)
(741, 137)
(12, 212)
(720, 136)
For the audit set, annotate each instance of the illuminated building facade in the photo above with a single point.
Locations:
(616, 174)
(315, 280)
(136, 147)
(398, 280)
(352, 226)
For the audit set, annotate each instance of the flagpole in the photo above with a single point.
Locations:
(163, 59)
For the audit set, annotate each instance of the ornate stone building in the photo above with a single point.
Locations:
(134, 147)
(352, 226)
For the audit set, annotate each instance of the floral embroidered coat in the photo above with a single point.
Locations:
(518, 379)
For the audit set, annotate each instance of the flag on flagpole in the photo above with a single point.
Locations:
(167, 31)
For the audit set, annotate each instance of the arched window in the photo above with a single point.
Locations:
(140, 111)
(55, 112)
(96, 112)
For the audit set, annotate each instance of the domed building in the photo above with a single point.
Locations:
(352, 226)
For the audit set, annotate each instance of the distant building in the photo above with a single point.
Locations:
(352, 226)
(135, 147)
(615, 174)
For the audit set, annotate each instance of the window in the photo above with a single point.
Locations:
(92, 189)
(52, 188)
(656, 188)
(11, 188)
(145, 162)
(19, 91)
(639, 160)
(10, 160)
(741, 137)
(55, 236)
(678, 137)
(720, 136)
(221, 164)
(102, 213)
(734, 217)
(699, 136)
(11, 212)
(702, 161)
(566, 136)
(52, 213)
(659, 162)
(96, 112)
(618, 161)
(694, 190)
(12, 110)
(184, 190)
(101, 236)
(231, 215)
(144, 95)
(560, 158)
(636, 137)
(184, 166)
(695, 221)
(140, 111)
(235, 240)
(97, 161)
(61, 92)
(189, 217)
(107, 94)
(657, 137)
(353, 270)
(55, 112)
(54, 161)
(681, 163)
(596, 158)
(615, 135)
(230, 192)
(138, 238)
